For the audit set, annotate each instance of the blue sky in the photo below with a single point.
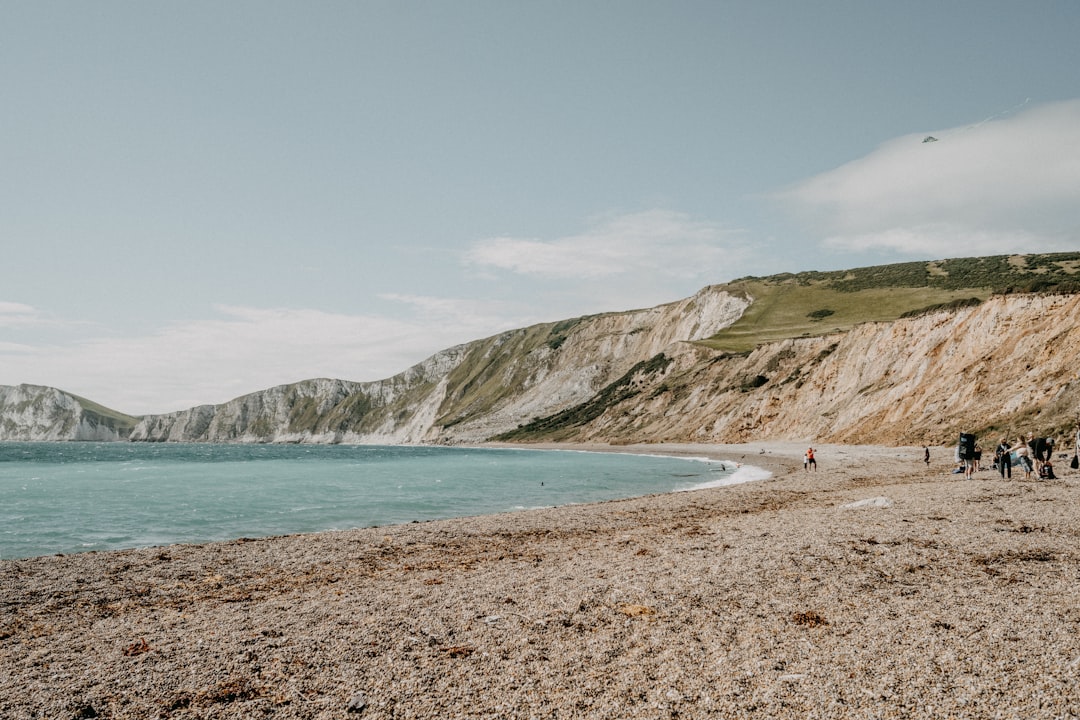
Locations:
(200, 200)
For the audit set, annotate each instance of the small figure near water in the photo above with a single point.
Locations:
(926, 455)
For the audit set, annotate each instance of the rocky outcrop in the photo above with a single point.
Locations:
(36, 413)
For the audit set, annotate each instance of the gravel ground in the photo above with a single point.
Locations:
(873, 588)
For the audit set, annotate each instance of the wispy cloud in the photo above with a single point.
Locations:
(656, 242)
(14, 314)
(1003, 185)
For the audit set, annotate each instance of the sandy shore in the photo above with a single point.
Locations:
(933, 597)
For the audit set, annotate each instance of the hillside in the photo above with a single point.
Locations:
(816, 303)
(906, 353)
(1006, 366)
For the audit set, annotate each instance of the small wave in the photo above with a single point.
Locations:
(743, 473)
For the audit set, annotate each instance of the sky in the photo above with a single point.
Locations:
(200, 200)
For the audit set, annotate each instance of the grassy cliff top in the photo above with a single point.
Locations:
(817, 303)
(116, 419)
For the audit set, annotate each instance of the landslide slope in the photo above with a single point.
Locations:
(1004, 367)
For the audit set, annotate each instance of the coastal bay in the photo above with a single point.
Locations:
(876, 586)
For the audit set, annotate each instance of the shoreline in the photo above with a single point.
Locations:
(783, 598)
(689, 451)
(736, 474)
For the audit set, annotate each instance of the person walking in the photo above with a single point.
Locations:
(810, 459)
(926, 455)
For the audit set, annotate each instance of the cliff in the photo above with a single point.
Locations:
(463, 394)
(903, 354)
(32, 412)
(1004, 367)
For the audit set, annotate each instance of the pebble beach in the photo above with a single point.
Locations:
(875, 587)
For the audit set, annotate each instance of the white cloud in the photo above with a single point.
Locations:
(1006, 185)
(14, 314)
(653, 242)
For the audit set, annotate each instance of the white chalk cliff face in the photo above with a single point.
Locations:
(36, 413)
(1008, 365)
(466, 393)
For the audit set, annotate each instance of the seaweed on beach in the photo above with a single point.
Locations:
(809, 618)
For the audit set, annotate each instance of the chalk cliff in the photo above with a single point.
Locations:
(463, 394)
(36, 413)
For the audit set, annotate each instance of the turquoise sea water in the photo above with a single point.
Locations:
(72, 497)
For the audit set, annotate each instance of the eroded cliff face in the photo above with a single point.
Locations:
(523, 375)
(463, 394)
(1007, 366)
(36, 413)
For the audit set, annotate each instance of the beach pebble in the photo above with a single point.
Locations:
(357, 704)
(874, 502)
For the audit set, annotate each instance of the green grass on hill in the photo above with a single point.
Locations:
(789, 311)
(119, 419)
(817, 303)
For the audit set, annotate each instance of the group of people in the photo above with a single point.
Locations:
(1033, 455)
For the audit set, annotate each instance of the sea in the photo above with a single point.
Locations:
(60, 498)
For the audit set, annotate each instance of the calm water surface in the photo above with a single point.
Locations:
(71, 497)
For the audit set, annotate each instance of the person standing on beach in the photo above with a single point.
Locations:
(1042, 450)
(1075, 463)
(926, 455)
(1004, 462)
(1022, 456)
(810, 459)
(965, 453)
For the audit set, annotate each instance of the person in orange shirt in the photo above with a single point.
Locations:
(810, 459)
